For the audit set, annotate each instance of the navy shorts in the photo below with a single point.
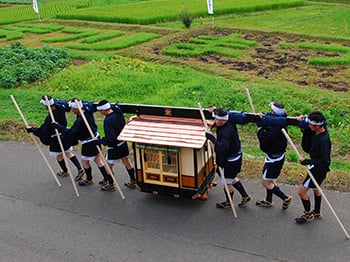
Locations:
(319, 177)
(89, 149)
(119, 152)
(271, 171)
(232, 169)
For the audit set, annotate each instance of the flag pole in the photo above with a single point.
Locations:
(210, 4)
(36, 9)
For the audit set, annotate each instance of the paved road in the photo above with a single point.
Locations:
(41, 222)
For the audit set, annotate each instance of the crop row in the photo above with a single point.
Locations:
(21, 13)
(141, 12)
(155, 11)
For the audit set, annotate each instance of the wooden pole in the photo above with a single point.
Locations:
(315, 183)
(99, 149)
(221, 174)
(250, 100)
(36, 143)
(62, 148)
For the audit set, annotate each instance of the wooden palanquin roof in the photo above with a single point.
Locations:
(161, 130)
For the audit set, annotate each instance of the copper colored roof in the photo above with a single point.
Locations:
(169, 131)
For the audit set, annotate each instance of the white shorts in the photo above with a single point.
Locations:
(229, 181)
(112, 161)
(56, 154)
(88, 158)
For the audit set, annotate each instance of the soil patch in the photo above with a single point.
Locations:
(272, 61)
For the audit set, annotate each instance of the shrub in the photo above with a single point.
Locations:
(186, 18)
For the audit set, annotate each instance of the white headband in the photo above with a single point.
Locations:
(277, 110)
(43, 101)
(313, 122)
(73, 104)
(225, 117)
(104, 107)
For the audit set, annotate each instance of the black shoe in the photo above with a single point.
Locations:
(130, 184)
(62, 173)
(244, 201)
(102, 182)
(108, 188)
(305, 218)
(85, 183)
(264, 203)
(80, 175)
(224, 205)
(316, 215)
(287, 202)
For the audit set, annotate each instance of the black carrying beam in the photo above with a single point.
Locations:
(184, 112)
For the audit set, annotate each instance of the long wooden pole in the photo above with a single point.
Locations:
(221, 174)
(99, 149)
(36, 142)
(308, 171)
(315, 183)
(62, 148)
(250, 100)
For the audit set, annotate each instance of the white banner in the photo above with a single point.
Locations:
(210, 7)
(35, 6)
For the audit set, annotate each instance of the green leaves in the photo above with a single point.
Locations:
(21, 65)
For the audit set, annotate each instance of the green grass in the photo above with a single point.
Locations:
(312, 20)
(47, 26)
(324, 61)
(90, 56)
(25, 2)
(15, 32)
(331, 1)
(24, 29)
(118, 43)
(73, 36)
(11, 35)
(327, 61)
(102, 37)
(205, 45)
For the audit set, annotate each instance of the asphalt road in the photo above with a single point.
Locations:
(41, 222)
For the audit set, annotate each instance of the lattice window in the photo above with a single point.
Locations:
(169, 162)
(151, 157)
(161, 159)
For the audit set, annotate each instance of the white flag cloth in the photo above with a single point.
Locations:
(35, 6)
(210, 7)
